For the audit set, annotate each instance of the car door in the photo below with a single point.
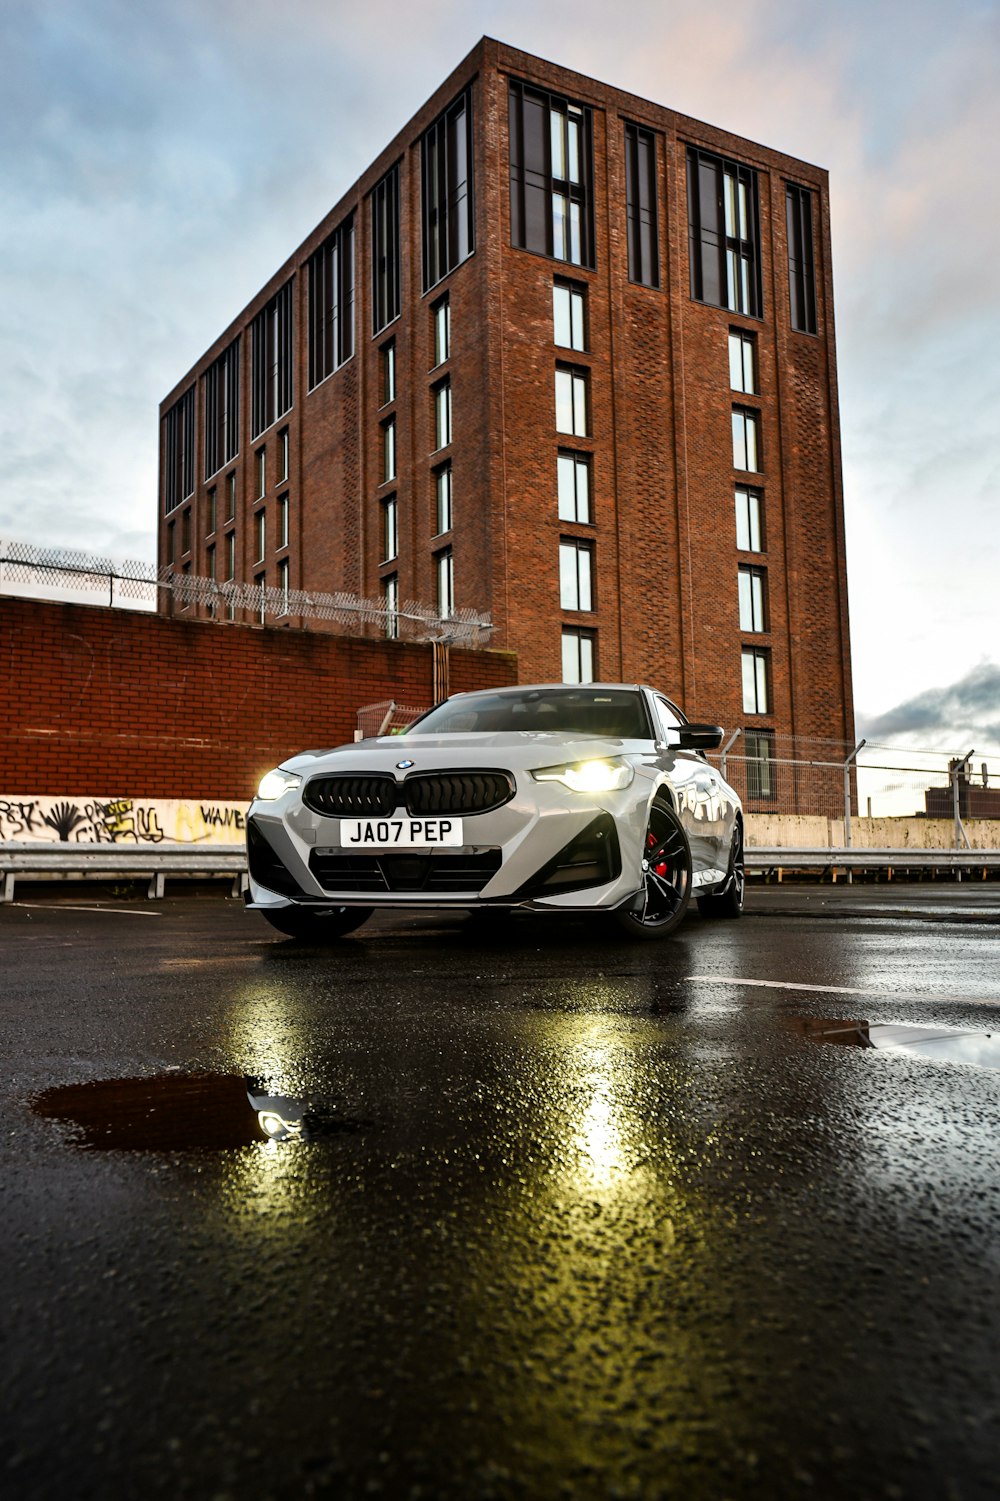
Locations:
(700, 803)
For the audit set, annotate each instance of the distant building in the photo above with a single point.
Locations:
(563, 356)
(974, 801)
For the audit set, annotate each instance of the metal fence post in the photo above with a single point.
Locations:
(847, 800)
(725, 752)
(956, 769)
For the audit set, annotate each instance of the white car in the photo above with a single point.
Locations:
(555, 798)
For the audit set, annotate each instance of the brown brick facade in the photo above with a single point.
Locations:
(662, 526)
(101, 701)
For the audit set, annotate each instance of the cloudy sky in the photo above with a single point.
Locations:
(160, 159)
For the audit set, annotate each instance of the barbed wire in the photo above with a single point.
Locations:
(27, 562)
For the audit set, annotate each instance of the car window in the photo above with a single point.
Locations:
(669, 718)
(617, 714)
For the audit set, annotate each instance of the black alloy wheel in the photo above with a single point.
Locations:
(666, 878)
(316, 925)
(728, 902)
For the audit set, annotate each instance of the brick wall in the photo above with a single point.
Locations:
(101, 702)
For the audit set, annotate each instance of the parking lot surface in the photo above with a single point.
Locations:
(454, 1210)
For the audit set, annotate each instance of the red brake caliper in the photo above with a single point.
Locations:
(661, 866)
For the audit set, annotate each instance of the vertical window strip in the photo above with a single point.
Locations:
(443, 498)
(271, 360)
(447, 194)
(551, 175)
(801, 267)
(385, 251)
(446, 584)
(331, 303)
(752, 599)
(640, 206)
(578, 656)
(221, 387)
(178, 451)
(749, 519)
(724, 233)
(575, 576)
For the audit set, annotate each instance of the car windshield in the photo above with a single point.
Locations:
(617, 714)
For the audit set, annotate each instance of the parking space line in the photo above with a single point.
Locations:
(805, 985)
(67, 907)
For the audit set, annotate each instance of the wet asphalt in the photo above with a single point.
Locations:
(561, 1215)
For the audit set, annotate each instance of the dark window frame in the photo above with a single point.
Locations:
(709, 240)
(178, 451)
(801, 260)
(641, 206)
(385, 251)
(533, 184)
(331, 303)
(221, 392)
(447, 196)
(272, 360)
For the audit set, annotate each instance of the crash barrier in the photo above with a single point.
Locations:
(120, 862)
(156, 865)
(779, 860)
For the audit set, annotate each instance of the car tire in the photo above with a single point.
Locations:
(729, 901)
(666, 889)
(323, 926)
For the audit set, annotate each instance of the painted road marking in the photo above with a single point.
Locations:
(65, 907)
(800, 985)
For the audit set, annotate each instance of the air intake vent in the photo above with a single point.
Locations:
(351, 796)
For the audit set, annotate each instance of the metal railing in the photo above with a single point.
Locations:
(139, 585)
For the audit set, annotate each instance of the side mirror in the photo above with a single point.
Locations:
(700, 737)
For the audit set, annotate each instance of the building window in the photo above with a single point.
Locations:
(801, 268)
(749, 520)
(231, 496)
(551, 174)
(171, 543)
(271, 361)
(211, 508)
(222, 409)
(230, 555)
(260, 526)
(331, 303)
(742, 362)
(441, 313)
(260, 582)
(390, 599)
(283, 587)
(178, 452)
(445, 568)
(390, 537)
(282, 455)
(569, 314)
(571, 400)
(753, 599)
(447, 191)
(388, 359)
(578, 656)
(574, 487)
(442, 414)
(746, 440)
(261, 457)
(210, 562)
(756, 685)
(186, 531)
(385, 251)
(388, 450)
(724, 233)
(760, 768)
(576, 576)
(640, 206)
(442, 489)
(282, 520)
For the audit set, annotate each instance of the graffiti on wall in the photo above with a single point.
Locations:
(121, 820)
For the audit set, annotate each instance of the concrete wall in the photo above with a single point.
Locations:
(800, 831)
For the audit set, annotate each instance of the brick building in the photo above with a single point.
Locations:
(562, 356)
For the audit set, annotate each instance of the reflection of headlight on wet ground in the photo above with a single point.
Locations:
(276, 1127)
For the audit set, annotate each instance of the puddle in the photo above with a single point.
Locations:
(952, 1043)
(177, 1112)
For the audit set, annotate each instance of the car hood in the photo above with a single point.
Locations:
(511, 749)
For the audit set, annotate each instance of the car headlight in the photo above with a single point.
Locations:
(274, 783)
(589, 776)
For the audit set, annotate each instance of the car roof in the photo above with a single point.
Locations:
(557, 688)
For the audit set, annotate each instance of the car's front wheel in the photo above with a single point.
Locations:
(729, 901)
(324, 925)
(666, 878)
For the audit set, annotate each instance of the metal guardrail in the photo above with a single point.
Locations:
(122, 862)
(775, 857)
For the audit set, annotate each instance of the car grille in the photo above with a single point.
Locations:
(380, 874)
(423, 794)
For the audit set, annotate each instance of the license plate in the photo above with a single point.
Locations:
(399, 833)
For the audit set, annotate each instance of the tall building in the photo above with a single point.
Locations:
(562, 356)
